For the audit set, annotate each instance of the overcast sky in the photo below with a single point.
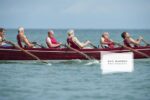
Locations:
(95, 14)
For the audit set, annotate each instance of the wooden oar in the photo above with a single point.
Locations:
(133, 50)
(79, 52)
(93, 46)
(146, 42)
(35, 43)
(25, 51)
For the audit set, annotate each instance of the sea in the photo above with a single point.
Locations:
(73, 79)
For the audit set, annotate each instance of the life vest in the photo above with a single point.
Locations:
(72, 44)
(19, 41)
(110, 43)
(126, 42)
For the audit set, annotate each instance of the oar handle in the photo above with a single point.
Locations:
(35, 43)
(93, 46)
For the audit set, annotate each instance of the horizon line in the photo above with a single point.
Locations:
(88, 28)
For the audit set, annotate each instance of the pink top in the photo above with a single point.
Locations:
(54, 41)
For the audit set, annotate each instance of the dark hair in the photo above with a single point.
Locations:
(2, 29)
(123, 35)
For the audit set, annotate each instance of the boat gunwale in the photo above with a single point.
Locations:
(83, 50)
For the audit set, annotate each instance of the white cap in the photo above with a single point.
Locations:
(21, 29)
(70, 32)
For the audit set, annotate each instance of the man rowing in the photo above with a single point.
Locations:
(51, 40)
(23, 40)
(73, 41)
(129, 41)
(2, 42)
(105, 41)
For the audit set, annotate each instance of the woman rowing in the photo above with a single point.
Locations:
(51, 40)
(105, 41)
(22, 39)
(73, 41)
(129, 41)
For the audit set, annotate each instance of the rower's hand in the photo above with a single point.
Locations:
(141, 38)
(34, 42)
(88, 42)
(60, 43)
(31, 45)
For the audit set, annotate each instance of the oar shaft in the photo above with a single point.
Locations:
(93, 45)
(133, 50)
(81, 53)
(35, 43)
(26, 52)
(145, 42)
(33, 56)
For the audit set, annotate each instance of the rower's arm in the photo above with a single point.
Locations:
(77, 42)
(53, 45)
(26, 41)
(81, 45)
(135, 42)
(1, 40)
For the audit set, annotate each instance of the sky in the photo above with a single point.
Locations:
(81, 14)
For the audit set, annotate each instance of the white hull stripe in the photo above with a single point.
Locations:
(74, 51)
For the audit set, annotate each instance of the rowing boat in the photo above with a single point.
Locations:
(11, 53)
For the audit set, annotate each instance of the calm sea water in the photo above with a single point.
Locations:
(75, 79)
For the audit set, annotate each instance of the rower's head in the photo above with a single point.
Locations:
(21, 30)
(125, 35)
(105, 35)
(2, 31)
(70, 33)
(50, 33)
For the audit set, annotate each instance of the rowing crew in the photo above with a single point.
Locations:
(72, 40)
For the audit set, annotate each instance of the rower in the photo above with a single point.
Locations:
(21, 38)
(105, 41)
(3, 42)
(74, 42)
(51, 40)
(2, 31)
(129, 41)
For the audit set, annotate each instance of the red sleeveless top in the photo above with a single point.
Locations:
(126, 43)
(72, 44)
(19, 41)
(54, 41)
(110, 43)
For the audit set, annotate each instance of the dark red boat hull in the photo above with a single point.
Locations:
(63, 53)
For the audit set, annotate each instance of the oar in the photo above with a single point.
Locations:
(146, 42)
(93, 46)
(35, 43)
(79, 52)
(26, 52)
(133, 50)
